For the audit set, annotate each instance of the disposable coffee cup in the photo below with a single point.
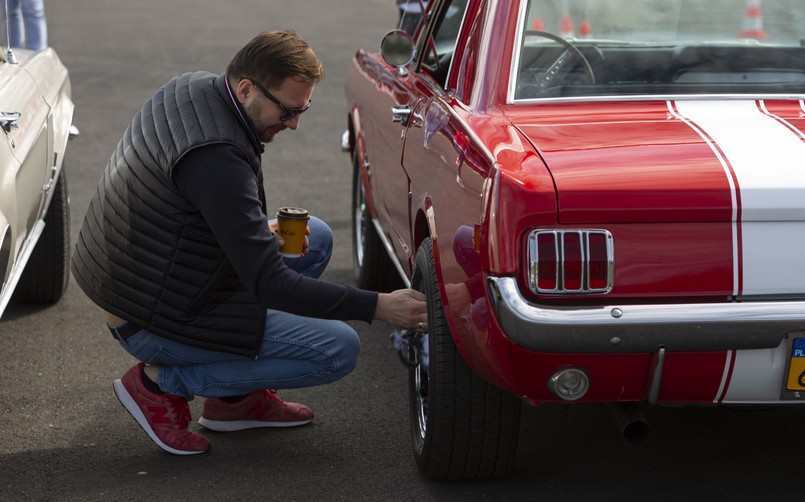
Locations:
(292, 228)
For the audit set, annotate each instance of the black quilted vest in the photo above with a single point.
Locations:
(144, 253)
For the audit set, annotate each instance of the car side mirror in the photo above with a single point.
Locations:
(397, 48)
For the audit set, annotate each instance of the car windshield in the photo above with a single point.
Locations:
(655, 48)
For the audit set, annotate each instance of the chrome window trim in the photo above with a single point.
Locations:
(657, 97)
(515, 62)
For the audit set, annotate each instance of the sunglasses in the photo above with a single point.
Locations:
(287, 113)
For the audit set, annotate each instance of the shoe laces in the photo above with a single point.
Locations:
(180, 411)
(272, 394)
(268, 402)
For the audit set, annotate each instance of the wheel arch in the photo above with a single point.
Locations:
(425, 227)
(422, 227)
(358, 154)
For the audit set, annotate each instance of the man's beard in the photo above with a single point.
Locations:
(265, 133)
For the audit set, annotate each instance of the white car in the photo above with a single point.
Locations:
(36, 113)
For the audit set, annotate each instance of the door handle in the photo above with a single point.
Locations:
(400, 114)
(8, 120)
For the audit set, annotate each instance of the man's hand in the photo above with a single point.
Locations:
(404, 308)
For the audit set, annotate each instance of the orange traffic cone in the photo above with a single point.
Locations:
(753, 21)
(585, 31)
(566, 30)
(537, 24)
(567, 27)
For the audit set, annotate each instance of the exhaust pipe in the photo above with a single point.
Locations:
(631, 422)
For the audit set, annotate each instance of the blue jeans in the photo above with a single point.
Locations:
(296, 351)
(28, 24)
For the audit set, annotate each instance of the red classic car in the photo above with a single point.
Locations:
(603, 202)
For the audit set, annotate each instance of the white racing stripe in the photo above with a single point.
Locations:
(757, 375)
(766, 155)
(724, 377)
(672, 108)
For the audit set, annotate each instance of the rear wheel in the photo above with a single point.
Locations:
(373, 268)
(462, 427)
(46, 274)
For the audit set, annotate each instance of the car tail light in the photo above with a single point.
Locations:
(570, 261)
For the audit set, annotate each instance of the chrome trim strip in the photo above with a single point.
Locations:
(22, 259)
(642, 328)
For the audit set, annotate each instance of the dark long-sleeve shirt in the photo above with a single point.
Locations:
(218, 180)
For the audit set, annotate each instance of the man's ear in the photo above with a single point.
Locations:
(243, 89)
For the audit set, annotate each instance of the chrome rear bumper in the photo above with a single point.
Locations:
(642, 328)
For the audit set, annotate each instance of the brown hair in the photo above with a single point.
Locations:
(273, 56)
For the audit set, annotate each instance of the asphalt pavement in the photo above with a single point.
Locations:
(64, 436)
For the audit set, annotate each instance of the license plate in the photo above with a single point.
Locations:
(796, 366)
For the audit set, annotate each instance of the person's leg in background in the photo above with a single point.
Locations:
(12, 21)
(36, 28)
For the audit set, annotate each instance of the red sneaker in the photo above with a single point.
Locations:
(163, 417)
(261, 408)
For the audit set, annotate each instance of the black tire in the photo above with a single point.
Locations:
(373, 268)
(47, 272)
(462, 427)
